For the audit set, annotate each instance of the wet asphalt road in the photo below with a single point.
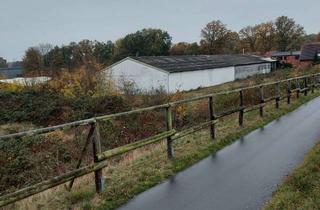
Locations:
(242, 175)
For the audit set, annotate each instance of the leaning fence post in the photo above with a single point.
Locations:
(212, 118)
(96, 147)
(277, 94)
(84, 149)
(241, 112)
(288, 91)
(170, 150)
(261, 101)
(305, 86)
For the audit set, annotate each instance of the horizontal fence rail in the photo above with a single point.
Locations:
(303, 84)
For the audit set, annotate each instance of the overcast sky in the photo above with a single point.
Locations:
(28, 23)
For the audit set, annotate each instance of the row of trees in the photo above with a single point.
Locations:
(216, 38)
(283, 34)
(94, 53)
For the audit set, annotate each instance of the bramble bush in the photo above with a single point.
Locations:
(45, 108)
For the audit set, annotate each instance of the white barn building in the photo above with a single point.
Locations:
(186, 72)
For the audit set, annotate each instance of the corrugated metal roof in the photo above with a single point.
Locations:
(310, 51)
(9, 73)
(288, 53)
(198, 62)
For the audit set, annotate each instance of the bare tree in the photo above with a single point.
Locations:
(214, 37)
(266, 34)
(249, 37)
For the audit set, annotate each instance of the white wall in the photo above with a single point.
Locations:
(147, 77)
(245, 71)
(144, 77)
(203, 78)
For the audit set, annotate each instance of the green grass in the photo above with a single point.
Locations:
(301, 189)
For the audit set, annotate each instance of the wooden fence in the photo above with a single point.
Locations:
(309, 83)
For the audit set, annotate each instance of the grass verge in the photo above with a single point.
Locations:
(301, 189)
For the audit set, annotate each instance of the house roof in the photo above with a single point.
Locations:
(11, 72)
(310, 51)
(182, 63)
(286, 53)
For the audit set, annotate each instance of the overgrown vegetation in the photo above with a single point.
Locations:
(131, 174)
(301, 189)
(44, 108)
(57, 102)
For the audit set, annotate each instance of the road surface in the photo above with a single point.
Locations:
(242, 175)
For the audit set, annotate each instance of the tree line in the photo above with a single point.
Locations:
(282, 34)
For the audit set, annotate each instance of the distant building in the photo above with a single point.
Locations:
(9, 73)
(187, 71)
(307, 56)
(310, 53)
(26, 81)
(3, 63)
(289, 57)
(14, 64)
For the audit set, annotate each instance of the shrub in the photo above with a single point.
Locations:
(45, 108)
(86, 80)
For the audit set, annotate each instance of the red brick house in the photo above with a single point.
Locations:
(307, 56)
(289, 57)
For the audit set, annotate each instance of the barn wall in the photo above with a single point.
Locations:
(203, 78)
(144, 77)
(242, 72)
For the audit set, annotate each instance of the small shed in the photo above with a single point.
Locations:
(186, 72)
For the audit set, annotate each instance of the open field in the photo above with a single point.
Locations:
(301, 189)
(144, 168)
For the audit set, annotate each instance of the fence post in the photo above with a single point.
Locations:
(212, 117)
(241, 109)
(261, 101)
(305, 86)
(289, 91)
(277, 94)
(96, 147)
(170, 150)
(298, 88)
(313, 83)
